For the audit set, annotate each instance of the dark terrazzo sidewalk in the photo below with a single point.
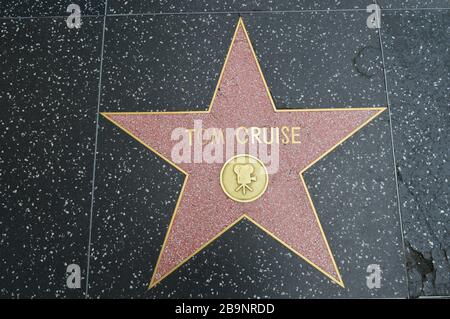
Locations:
(159, 56)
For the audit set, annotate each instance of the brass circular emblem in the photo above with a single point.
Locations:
(244, 178)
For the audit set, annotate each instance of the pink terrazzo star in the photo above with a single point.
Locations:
(285, 211)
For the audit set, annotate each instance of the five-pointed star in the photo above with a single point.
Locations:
(285, 211)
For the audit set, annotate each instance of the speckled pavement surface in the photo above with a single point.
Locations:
(382, 196)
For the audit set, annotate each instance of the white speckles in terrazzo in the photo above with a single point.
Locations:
(49, 81)
(418, 68)
(174, 6)
(168, 62)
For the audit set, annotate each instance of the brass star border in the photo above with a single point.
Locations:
(240, 23)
